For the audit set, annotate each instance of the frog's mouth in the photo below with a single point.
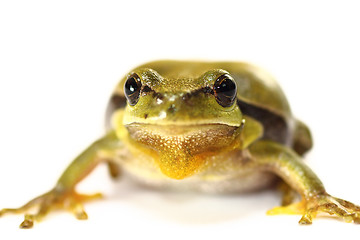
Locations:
(182, 150)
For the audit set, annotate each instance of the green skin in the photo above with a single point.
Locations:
(153, 140)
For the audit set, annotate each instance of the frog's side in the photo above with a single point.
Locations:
(214, 127)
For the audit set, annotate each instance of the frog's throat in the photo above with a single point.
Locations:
(181, 151)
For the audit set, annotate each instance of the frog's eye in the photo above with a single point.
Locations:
(132, 89)
(225, 90)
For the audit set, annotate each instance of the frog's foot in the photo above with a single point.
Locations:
(53, 199)
(324, 203)
(331, 205)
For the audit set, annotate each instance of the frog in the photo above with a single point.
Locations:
(211, 127)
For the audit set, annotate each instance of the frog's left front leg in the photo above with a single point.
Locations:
(288, 165)
(64, 195)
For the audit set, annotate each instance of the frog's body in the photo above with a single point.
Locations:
(207, 126)
(222, 172)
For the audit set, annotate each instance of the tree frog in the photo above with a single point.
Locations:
(215, 127)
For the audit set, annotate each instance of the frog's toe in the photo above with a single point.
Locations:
(325, 203)
(28, 222)
(76, 207)
(34, 202)
(292, 209)
(288, 193)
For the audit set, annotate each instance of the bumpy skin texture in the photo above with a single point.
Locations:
(176, 133)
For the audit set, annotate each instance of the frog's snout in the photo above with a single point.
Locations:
(170, 104)
(178, 103)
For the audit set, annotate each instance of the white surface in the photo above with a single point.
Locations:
(60, 61)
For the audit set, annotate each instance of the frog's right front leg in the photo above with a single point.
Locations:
(285, 163)
(64, 195)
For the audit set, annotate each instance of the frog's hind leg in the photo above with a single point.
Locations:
(289, 195)
(289, 203)
(302, 140)
(114, 169)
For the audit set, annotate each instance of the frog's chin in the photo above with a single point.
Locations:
(192, 139)
(182, 150)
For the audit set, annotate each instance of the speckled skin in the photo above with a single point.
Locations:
(176, 131)
(225, 172)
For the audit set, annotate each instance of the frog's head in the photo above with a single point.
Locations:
(183, 120)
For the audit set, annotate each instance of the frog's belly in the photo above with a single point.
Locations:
(236, 184)
(229, 178)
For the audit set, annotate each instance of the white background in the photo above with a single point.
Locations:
(60, 61)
